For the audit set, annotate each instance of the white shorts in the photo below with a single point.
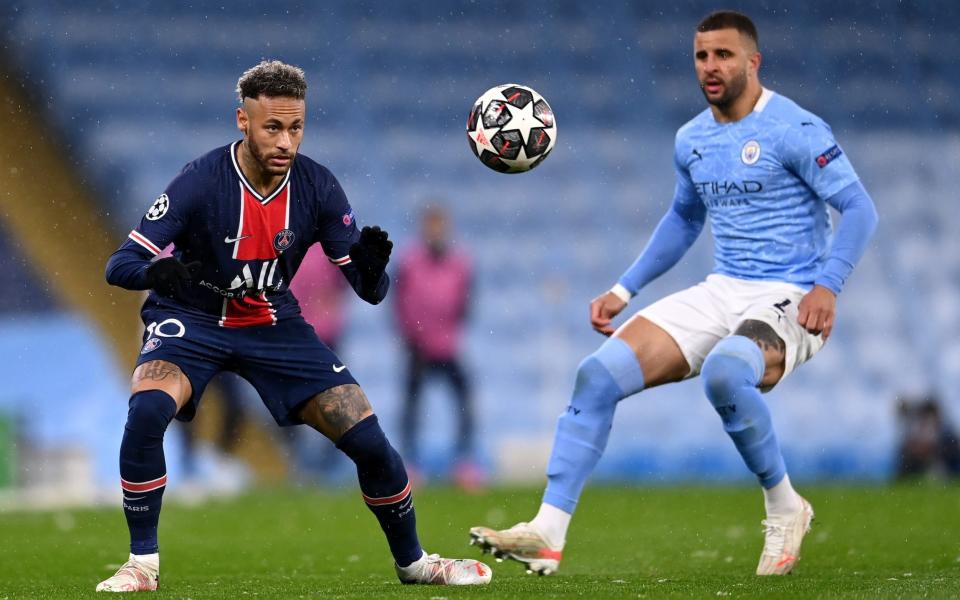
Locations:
(700, 316)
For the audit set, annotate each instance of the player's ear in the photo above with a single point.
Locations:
(242, 120)
(755, 60)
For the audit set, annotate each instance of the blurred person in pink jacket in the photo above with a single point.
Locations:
(431, 301)
(321, 290)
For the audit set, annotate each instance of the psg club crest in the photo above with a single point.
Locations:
(283, 240)
(158, 208)
(151, 345)
(750, 153)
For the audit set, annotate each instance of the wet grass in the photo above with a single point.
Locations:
(625, 542)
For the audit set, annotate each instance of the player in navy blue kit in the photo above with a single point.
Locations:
(764, 170)
(241, 218)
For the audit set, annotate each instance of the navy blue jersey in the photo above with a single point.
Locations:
(249, 245)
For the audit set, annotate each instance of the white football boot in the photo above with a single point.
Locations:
(783, 536)
(432, 569)
(523, 543)
(139, 574)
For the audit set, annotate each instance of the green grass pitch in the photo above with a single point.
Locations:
(625, 542)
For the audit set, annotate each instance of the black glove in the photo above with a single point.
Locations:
(168, 276)
(371, 254)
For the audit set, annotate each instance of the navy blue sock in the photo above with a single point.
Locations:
(385, 487)
(143, 470)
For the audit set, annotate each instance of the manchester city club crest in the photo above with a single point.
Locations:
(283, 239)
(750, 153)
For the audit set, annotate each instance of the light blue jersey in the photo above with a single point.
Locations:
(764, 180)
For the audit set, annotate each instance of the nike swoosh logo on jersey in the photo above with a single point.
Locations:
(230, 240)
(337, 369)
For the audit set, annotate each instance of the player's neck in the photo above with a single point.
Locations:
(739, 108)
(261, 181)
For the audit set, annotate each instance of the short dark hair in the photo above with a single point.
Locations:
(730, 19)
(272, 78)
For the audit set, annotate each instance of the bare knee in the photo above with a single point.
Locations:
(658, 353)
(773, 347)
(333, 412)
(164, 376)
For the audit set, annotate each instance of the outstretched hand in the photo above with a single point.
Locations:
(603, 309)
(169, 277)
(817, 311)
(371, 252)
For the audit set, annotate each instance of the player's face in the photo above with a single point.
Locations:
(273, 128)
(725, 59)
(435, 231)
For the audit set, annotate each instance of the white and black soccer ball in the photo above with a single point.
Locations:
(511, 128)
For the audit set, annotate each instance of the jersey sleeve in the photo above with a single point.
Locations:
(673, 236)
(684, 193)
(167, 217)
(336, 231)
(810, 151)
(336, 224)
(164, 220)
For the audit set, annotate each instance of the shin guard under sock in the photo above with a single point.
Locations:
(731, 373)
(385, 487)
(143, 470)
(603, 379)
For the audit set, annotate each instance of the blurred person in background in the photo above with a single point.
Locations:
(928, 443)
(765, 171)
(241, 218)
(321, 292)
(431, 304)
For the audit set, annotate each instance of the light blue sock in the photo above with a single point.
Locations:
(730, 375)
(603, 379)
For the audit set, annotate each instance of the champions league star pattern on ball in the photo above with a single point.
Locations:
(511, 128)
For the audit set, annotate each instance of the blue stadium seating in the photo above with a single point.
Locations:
(140, 88)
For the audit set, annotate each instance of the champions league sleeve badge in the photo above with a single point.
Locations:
(158, 208)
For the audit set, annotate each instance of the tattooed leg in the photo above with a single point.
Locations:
(731, 373)
(343, 414)
(773, 347)
(164, 376)
(333, 412)
(158, 390)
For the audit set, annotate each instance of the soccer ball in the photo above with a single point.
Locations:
(511, 128)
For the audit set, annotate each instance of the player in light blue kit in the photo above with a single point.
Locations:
(764, 170)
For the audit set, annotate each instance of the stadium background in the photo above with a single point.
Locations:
(102, 106)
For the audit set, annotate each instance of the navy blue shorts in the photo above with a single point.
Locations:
(286, 362)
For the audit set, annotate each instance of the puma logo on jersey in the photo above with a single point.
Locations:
(230, 240)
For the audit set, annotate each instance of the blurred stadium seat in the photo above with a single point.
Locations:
(138, 89)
